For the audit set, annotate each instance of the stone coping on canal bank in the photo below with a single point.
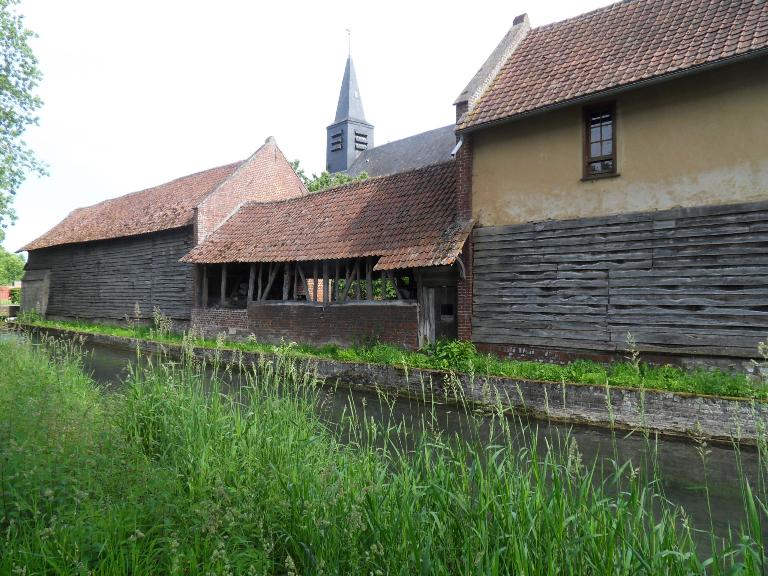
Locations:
(710, 418)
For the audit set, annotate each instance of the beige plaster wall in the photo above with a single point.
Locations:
(694, 141)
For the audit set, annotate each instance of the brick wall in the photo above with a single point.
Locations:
(214, 321)
(265, 176)
(5, 292)
(307, 323)
(464, 286)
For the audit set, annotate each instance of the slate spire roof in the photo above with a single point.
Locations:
(350, 106)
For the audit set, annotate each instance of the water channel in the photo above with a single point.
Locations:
(680, 462)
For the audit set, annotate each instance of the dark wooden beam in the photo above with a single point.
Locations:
(273, 268)
(260, 293)
(223, 296)
(286, 279)
(368, 279)
(348, 275)
(251, 282)
(205, 287)
(326, 287)
(357, 279)
(314, 280)
(336, 282)
(303, 280)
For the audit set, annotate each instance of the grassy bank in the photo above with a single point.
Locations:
(463, 357)
(173, 477)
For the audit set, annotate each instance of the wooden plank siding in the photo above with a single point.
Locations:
(105, 279)
(689, 281)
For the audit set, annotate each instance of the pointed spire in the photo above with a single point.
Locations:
(350, 106)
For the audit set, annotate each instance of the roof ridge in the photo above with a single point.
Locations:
(353, 184)
(585, 15)
(127, 194)
(413, 136)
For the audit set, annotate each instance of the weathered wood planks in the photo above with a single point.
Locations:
(106, 279)
(692, 281)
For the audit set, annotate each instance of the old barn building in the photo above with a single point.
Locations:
(374, 260)
(620, 183)
(105, 261)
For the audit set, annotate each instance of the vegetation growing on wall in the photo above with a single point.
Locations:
(461, 356)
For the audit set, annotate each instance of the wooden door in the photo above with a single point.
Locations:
(445, 312)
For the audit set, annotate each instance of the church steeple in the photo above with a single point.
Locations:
(350, 106)
(349, 134)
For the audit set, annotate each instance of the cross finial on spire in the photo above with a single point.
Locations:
(349, 41)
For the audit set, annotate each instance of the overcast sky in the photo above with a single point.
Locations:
(138, 93)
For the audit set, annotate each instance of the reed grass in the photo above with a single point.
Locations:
(179, 474)
(627, 374)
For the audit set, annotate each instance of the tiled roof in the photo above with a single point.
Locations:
(617, 46)
(408, 219)
(170, 205)
(417, 151)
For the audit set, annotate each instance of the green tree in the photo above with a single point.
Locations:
(325, 179)
(11, 267)
(19, 77)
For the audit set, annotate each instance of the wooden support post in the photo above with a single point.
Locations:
(314, 280)
(368, 279)
(223, 297)
(258, 294)
(356, 279)
(251, 282)
(325, 283)
(205, 287)
(295, 283)
(392, 277)
(286, 279)
(336, 282)
(383, 284)
(273, 268)
(303, 280)
(349, 274)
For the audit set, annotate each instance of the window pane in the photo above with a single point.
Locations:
(608, 131)
(594, 134)
(601, 167)
(594, 149)
(607, 145)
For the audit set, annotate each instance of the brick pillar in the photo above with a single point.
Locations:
(465, 286)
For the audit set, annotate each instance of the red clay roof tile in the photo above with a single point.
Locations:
(616, 46)
(170, 205)
(408, 219)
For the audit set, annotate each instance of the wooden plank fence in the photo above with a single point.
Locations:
(690, 281)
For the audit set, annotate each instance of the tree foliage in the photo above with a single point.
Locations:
(11, 267)
(19, 77)
(325, 179)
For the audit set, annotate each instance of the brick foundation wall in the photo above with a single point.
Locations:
(307, 323)
(213, 321)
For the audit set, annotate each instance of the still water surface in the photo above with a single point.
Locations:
(680, 462)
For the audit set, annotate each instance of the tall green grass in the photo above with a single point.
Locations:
(460, 356)
(174, 476)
